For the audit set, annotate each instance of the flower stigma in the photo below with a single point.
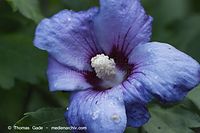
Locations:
(106, 70)
(104, 67)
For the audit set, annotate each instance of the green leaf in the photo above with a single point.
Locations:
(45, 117)
(20, 60)
(28, 8)
(194, 96)
(172, 120)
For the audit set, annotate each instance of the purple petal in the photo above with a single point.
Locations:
(122, 24)
(99, 111)
(63, 78)
(68, 37)
(161, 71)
(137, 114)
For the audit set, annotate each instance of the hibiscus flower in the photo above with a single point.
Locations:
(104, 58)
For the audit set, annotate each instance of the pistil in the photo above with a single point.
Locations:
(104, 67)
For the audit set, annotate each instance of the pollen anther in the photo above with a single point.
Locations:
(104, 66)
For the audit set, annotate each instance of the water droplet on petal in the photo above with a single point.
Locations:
(111, 103)
(116, 118)
(95, 115)
(156, 77)
(119, 98)
(67, 108)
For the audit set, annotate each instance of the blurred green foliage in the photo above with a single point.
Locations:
(28, 8)
(46, 117)
(24, 87)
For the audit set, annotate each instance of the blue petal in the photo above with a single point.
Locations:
(122, 24)
(161, 71)
(68, 36)
(137, 114)
(63, 78)
(99, 111)
(135, 91)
